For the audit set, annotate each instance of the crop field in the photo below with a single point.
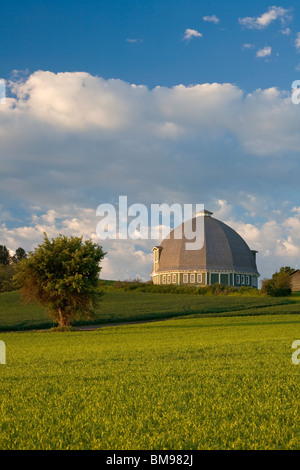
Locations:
(120, 306)
(185, 383)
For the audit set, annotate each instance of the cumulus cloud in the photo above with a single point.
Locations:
(248, 46)
(264, 52)
(297, 42)
(286, 31)
(191, 33)
(51, 97)
(211, 19)
(72, 108)
(277, 241)
(274, 13)
(72, 141)
(125, 259)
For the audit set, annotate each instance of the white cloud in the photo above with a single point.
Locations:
(133, 40)
(211, 19)
(296, 210)
(125, 259)
(274, 13)
(297, 41)
(248, 46)
(64, 113)
(265, 52)
(224, 210)
(286, 31)
(277, 242)
(69, 142)
(99, 103)
(191, 33)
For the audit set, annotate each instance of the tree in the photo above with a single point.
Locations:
(6, 277)
(62, 274)
(279, 284)
(4, 255)
(19, 255)
(7, 267)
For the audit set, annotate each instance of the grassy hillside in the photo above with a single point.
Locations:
(119, 305)
(200, 383)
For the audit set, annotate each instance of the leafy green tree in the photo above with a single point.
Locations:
(279, 284)
(62, 274)
(5, 257)
(19, 255)
(6, 277)
(7, 267)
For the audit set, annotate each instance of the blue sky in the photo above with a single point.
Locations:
(164, 101)
(141, 41)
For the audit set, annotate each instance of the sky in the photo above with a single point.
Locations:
(162, 101)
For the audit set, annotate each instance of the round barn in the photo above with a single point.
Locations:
(223, 257)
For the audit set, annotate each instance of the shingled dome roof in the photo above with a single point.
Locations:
(223, 250)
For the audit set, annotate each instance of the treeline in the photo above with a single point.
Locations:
(215, 289)
(278, 286)
(7, 267)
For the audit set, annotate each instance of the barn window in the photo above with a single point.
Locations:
(199, 278)
(185, 278)
(192, 278)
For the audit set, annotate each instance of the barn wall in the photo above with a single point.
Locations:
(295, 281)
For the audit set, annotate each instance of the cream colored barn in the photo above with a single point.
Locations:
(295, 280)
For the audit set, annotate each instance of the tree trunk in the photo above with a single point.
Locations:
(60, 321)
(64, 320)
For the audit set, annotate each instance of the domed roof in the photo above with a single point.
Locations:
(223, 250)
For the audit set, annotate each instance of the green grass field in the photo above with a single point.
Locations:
(185, 383)
(218, 375)
(125, 306)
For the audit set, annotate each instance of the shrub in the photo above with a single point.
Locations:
(216, 289)
(279, 285)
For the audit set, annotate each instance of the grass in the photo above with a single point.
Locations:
(125, 306)
(186, 383)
